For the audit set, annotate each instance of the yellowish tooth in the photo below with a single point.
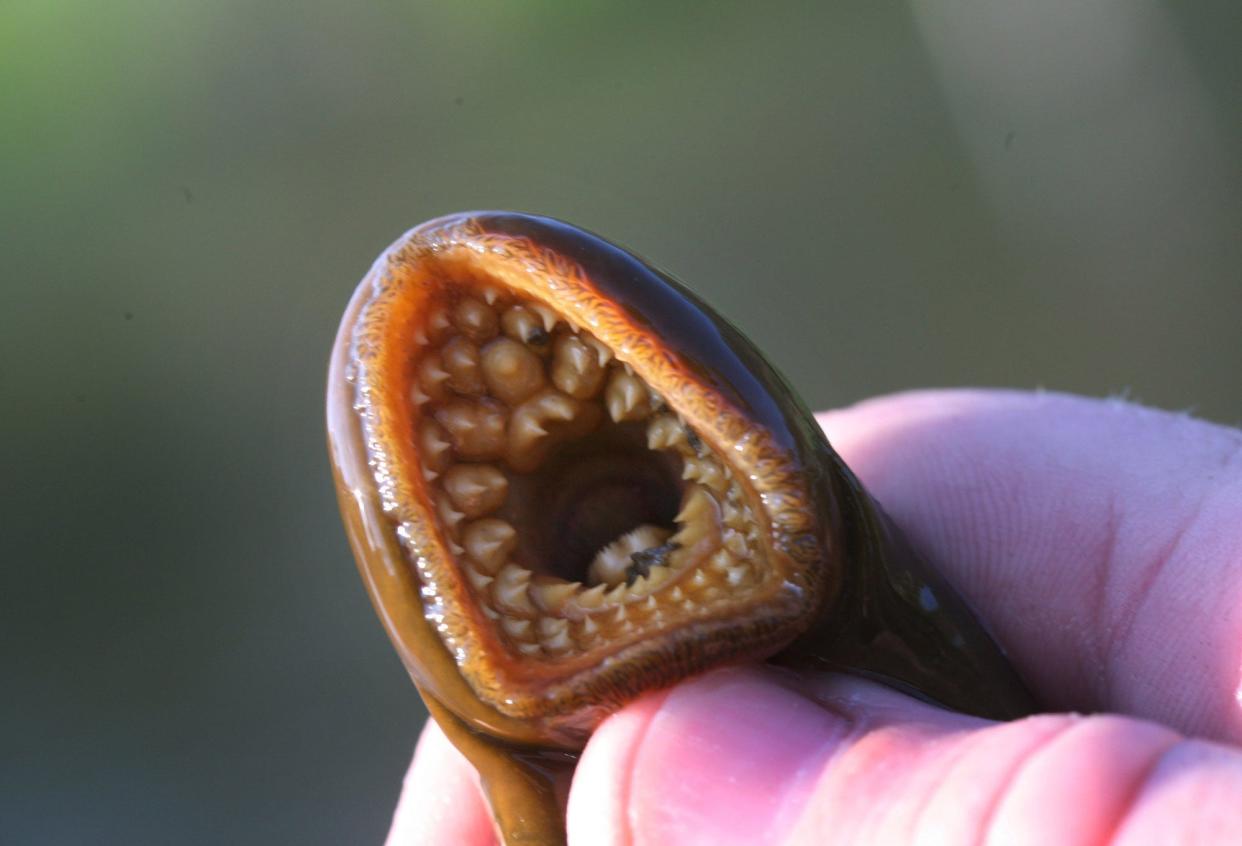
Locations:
(450, 517)
(529, 648)
(475, 319)
(552, 626)
(626, 397)
(432, 376)
(650, 605)
(476, 429)
(511, 371)
(592, 598)
(698, 505)
(676, 595)
(489, 542)
(461, 359)
(722, 560)
(735, 518)
(437, 324)
(529, 436)
(430, 475)
(510, 589)
(435, 451)
(524, 326)
(665, 432)
(516, 628)
(699, 579)
(551, 596)
(735, 576)
(558, 644)
(547, 315)
(489, 612)
(587, 628)
(602, 354)
(619, 615)
(477, 580)
(657, 576)
(476, 489)
(689, 607)
(575, 368)
(490, 294)
(618, 594)
(735, 543)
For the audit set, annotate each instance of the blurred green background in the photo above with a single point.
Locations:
(882, 195)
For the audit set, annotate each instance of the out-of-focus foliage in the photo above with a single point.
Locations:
(883, 197)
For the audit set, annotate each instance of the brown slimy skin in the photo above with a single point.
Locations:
(493, 367)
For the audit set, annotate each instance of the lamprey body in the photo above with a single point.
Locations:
(567, 481)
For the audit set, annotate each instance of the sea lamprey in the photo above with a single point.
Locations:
(567, 481)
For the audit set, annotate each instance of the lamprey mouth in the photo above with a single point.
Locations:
(567, 481)
(587, 510)
(584, 512)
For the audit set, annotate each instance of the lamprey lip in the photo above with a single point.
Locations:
(589, 486)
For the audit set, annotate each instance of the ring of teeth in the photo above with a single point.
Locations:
(497, 384)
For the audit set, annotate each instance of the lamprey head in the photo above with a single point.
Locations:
(566, 479)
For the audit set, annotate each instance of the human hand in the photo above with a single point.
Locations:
(1102, 544)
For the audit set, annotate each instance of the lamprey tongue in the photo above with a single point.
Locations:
(567, 481)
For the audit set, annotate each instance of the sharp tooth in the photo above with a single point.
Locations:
(511, 370)
(438, 322)
(527, 430)
(510, 589)
(515, 628)
(477, 579)
(602, 353)
(529, 648)
(618, 593)
(461, 360)
(698, 506)
(520, 324)
(449, 516)
(676, 595)
(552, 626)
(650, 604)
(736, 575)
(722, 560)
(734, 518)
(587, 629)
(619, 616)
(417, 396)
(475, 319)
(430, 475)
(658, 575)
(553, 595)
(490, 294)
(419, 337)
(735, 543)
(592, 598)
(626, 397)
(489, 612)
(489, 542)
(434, 447)
(476, 429)
(575, 369)
(558, 643)
(665, 432)
(476, 489)
(699, 579)
(689, 607)
(547, 315)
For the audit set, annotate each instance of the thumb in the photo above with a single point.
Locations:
(753, 756)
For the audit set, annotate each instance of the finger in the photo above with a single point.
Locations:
(440, 800)
(752, 757)
(1101, 541)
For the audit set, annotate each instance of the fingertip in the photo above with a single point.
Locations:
(729, 757)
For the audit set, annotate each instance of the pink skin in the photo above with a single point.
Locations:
(1102, 542)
